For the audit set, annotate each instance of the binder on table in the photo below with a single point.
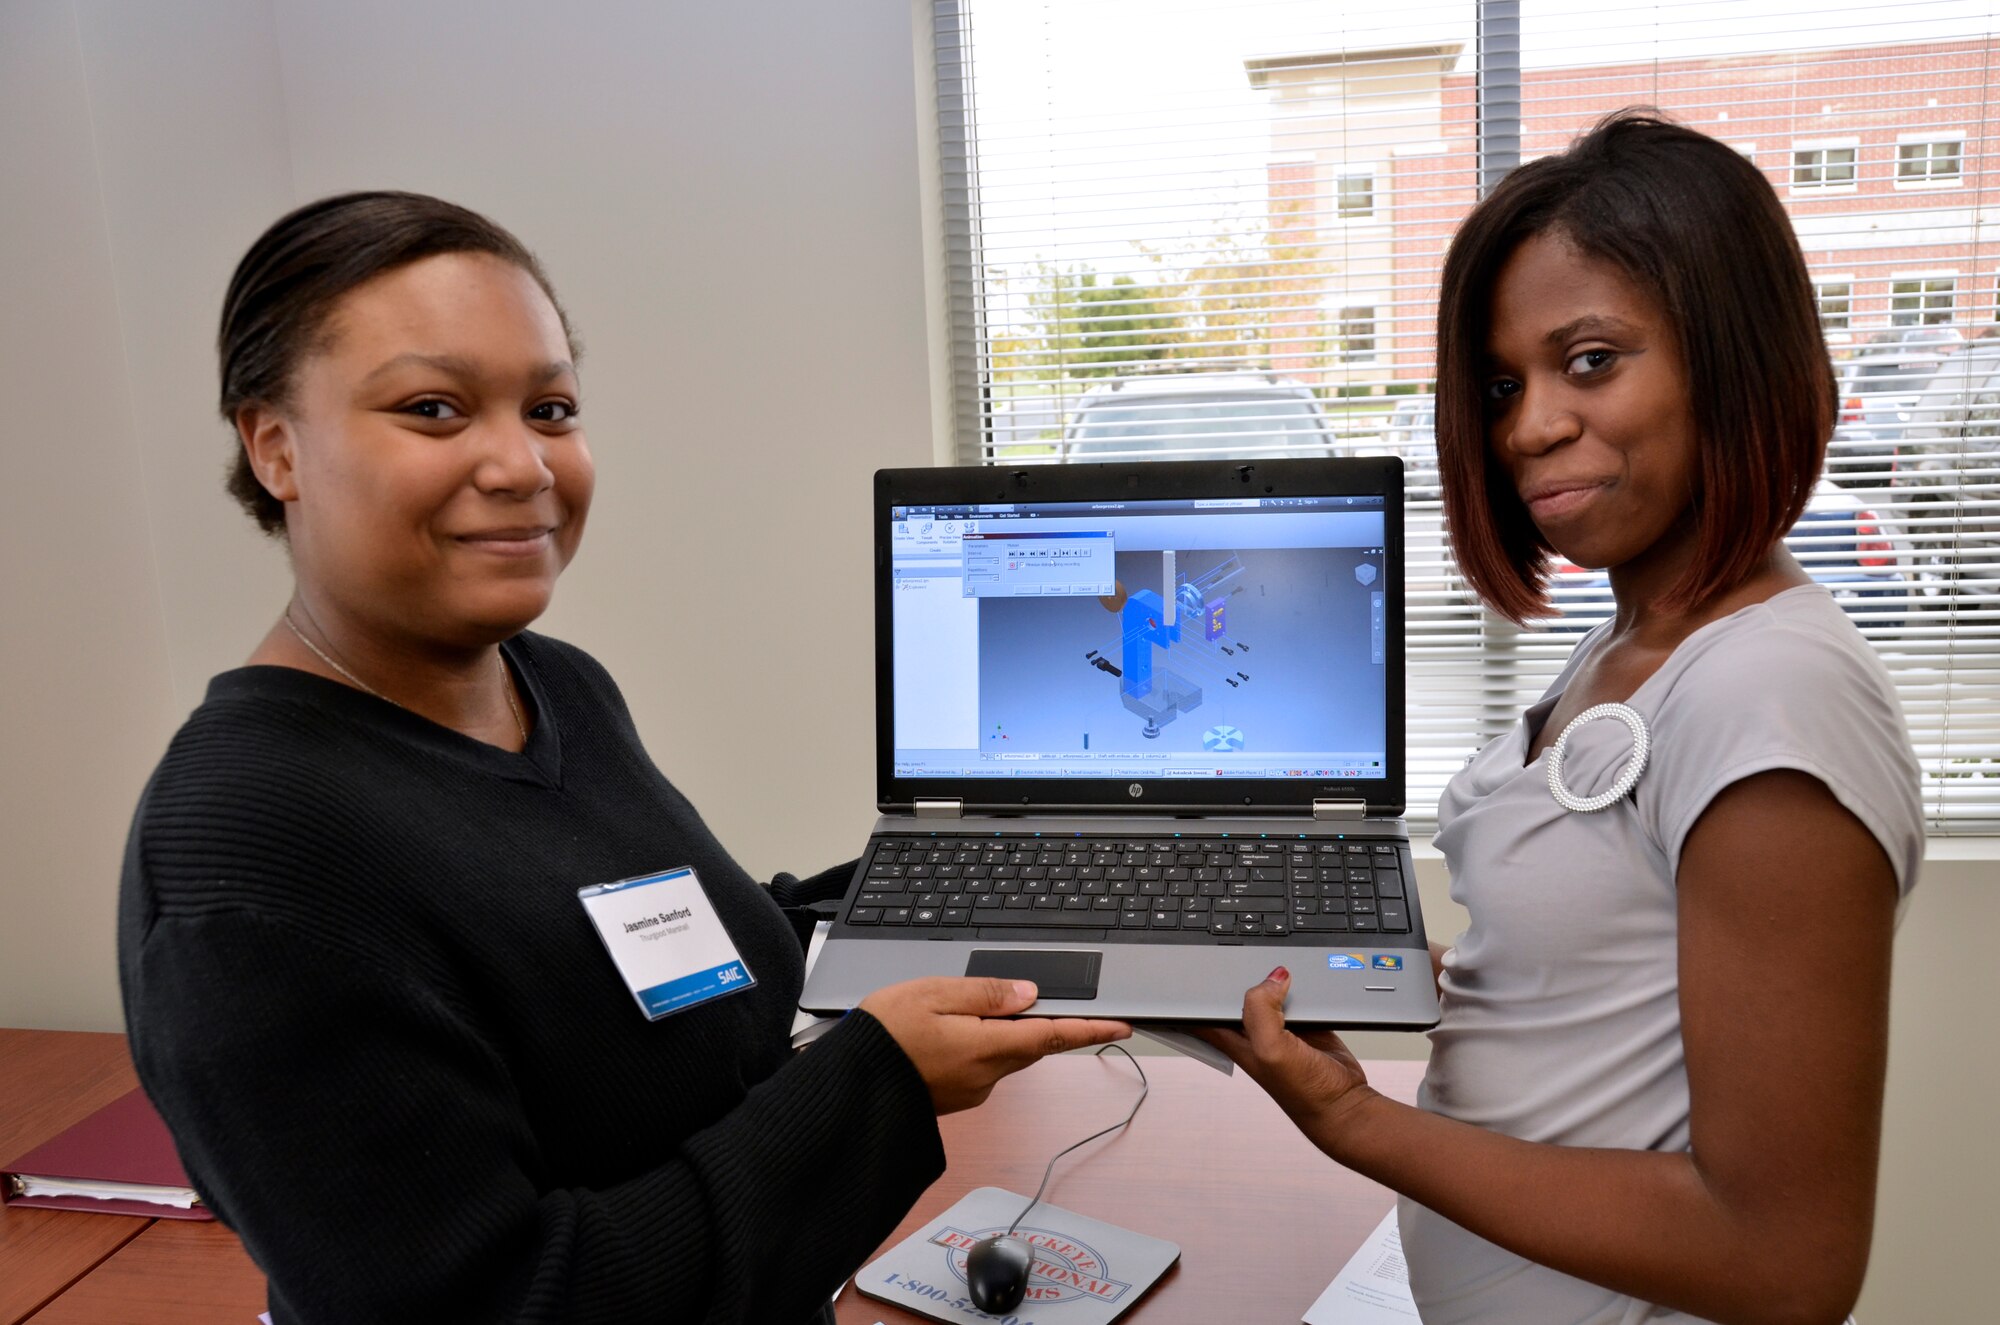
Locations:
(120, 1160)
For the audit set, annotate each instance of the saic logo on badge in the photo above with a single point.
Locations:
(729, 975)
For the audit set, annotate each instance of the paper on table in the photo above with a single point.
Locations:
(1374, 1285)
(1183, 1043)
(807, 1026)
(183, 1198)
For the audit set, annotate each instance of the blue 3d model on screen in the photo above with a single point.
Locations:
(1151, 620)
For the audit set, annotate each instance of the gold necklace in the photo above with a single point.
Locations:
(506, 682)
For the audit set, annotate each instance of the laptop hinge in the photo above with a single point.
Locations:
(937, 807)
(1340, 810)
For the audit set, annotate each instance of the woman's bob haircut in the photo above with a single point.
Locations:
(1698, 227)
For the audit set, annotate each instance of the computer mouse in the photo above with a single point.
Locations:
(996, 1270)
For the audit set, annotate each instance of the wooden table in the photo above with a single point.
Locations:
(1263, 1219)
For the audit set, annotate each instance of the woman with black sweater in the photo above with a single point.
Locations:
(360, 984)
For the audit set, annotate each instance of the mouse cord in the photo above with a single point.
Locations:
(1144, 1087)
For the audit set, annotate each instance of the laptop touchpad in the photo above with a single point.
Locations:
(1057, 974)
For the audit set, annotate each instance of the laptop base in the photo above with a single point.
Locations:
(1344, 987)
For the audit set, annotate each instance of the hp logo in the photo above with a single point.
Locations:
(1135, 791)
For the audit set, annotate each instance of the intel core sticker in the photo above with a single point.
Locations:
(1383, 962)
(1345, 961)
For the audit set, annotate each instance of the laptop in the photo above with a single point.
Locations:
(1140, 740)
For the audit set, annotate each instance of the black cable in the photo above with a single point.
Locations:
(1145, 1087)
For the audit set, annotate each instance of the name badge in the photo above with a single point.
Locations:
(665, 939)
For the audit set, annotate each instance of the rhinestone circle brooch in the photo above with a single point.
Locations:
(1628, 776)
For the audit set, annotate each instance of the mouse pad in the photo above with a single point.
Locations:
(1085, 1271)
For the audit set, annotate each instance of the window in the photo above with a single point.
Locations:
(1930, 160)
(1825, 166)
(1356, 333)
(1354, 196)
(1922, 301)
(1193, 199)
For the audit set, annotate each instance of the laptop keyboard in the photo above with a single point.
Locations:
(1214, 887)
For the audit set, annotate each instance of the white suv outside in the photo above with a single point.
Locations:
(1166, 416)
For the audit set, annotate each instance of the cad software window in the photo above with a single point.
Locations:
(1164, 639)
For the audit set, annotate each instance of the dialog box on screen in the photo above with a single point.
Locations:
(1040, 565)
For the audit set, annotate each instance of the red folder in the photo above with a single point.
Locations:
(123, 1142)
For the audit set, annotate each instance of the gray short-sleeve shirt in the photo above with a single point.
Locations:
(1561, 1016)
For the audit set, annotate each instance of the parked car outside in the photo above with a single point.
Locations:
(1411, 433)
(1163, 415)
(1026, 429)
(1839, 541)
(1949, 473)
(1437, 594)
(1877, 390)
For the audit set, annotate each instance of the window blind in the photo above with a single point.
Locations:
(1180, 229)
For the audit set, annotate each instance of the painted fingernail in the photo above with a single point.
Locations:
(1024, 989)
(1279, 974)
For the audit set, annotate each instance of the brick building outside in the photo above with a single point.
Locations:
(1878, 153)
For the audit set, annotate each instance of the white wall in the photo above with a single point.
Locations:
(88, 698)
(729, 198)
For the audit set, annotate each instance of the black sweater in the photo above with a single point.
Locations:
(398, 1061)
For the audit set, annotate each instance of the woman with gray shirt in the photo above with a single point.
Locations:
(1655, 1093)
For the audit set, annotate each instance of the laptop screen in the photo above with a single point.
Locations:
(1176, 640)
